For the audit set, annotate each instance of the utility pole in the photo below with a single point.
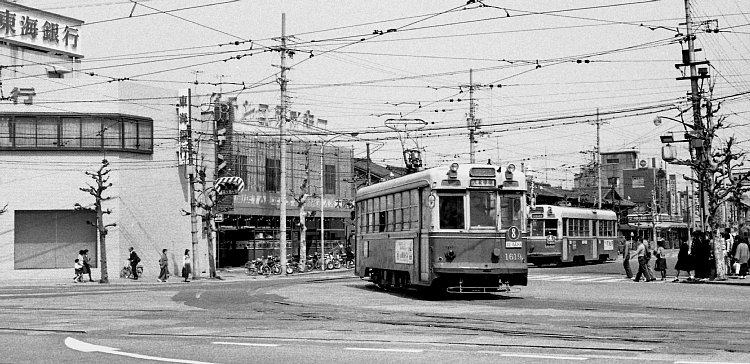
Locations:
(369, 178)
(472, 123)
(322, 215)
(695, 98)
(653, 215)
(191, 183)
(598, 161)
(282, 149)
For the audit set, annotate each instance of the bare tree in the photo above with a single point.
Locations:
(101, 184)
(718, 174)
(301, 199)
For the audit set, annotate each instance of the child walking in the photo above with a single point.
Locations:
(661, 260)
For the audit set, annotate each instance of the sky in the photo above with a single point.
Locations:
(542, 69)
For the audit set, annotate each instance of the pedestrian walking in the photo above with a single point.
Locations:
(641, 253)
(86, 262)
(701, 255)
(661, 260)
(626, 247)
(649, 258)
(163, 266)
(78, 269)
(728, 244)
(684, 262)
(742, 255)
(186, 265)
(134, 260)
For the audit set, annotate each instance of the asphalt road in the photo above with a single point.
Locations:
(588, 313)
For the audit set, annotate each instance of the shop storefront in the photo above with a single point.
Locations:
(667, 227)
(251, 230)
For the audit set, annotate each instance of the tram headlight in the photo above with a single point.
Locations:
(509, 172)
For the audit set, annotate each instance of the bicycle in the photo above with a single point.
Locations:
(127, 272)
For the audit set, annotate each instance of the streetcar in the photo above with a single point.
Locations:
(559, 234)
(457, 228)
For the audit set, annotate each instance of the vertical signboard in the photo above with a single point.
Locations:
(672, 190)
(182, 127)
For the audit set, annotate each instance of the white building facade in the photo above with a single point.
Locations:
(57, 123)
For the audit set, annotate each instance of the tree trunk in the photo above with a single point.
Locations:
(721, 271)
(210, 244)
(302, 238)
(102, 245)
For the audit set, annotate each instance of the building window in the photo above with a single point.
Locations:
(241, 168)
(613, 181)
(639, 182)
(50, 132)
(613, 160)
(273, 174)
(329, 179)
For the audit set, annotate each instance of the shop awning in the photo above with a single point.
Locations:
(671, 225)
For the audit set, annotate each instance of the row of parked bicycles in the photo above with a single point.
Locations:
(272, 264)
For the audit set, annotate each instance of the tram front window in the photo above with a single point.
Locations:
(451, 212)
(550, 228)
(483, 209)
(537, 227)
(511, 213)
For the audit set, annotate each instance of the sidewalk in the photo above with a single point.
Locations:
(225, 275)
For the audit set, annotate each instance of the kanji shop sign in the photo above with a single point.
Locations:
(19, 24)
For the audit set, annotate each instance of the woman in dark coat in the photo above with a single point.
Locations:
(684, 263)
(701, 255)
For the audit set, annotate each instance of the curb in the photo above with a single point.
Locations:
(237, 275)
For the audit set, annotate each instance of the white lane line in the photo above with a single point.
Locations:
(709, 362)
(559, 278)
(533, 356)
(388, 350)
(91, 348)
(582, 278)
(541, 276)
(243, 344)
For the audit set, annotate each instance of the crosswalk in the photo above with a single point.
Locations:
(578, 278)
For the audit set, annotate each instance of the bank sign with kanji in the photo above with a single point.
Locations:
(39, 29)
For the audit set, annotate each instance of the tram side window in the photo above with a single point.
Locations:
(405, 211)
(390, 219)
(451, 212)
(398, 218)
(550, 228)
(586, 227)
(537, 227)
(510, 211)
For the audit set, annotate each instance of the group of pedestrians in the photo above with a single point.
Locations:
(82, 266)
(696, 259)
(187, 263)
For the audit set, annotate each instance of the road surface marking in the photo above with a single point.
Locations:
(92, 348)
(389, 350)
(582, 278)
(709, 362)
(242, 344)
(534, 356)
(70, 293)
